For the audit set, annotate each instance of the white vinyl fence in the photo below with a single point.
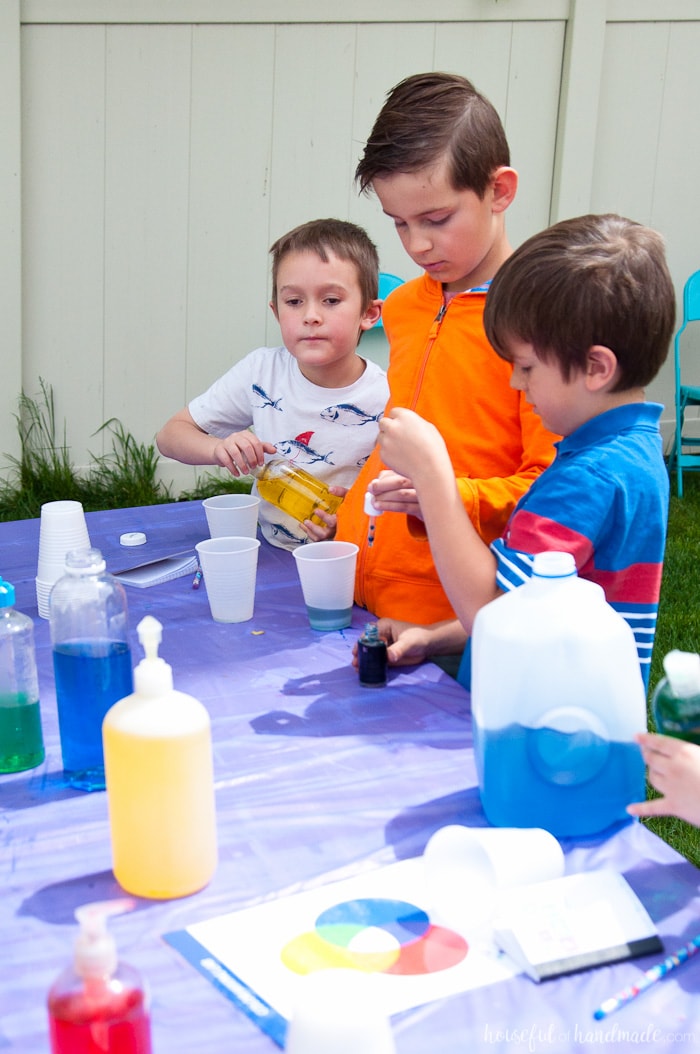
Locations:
(152, 150)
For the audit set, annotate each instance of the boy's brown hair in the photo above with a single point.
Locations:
(589, 280)
(430, 116)
(345, 240)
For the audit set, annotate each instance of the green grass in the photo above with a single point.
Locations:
(126, 477)
(210, 484)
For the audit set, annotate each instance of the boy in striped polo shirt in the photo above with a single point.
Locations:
(585, 312)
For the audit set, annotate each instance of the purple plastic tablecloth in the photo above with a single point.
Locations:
(315, 776)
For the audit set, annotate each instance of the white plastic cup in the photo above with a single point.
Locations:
(327, 575)
(62, 527)
(467, 869)
(232, 515)
(229, 568)
(337, 1011)
(43, 592)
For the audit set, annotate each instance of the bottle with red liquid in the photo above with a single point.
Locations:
(98, 1005)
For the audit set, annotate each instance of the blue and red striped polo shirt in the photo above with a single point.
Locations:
(604, 499)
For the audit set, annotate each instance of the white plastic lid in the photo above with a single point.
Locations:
(153, 676)
(369, 505)
(132, 538)
(683, 671)
(554, 565)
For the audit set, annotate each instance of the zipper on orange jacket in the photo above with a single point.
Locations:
(432, 336)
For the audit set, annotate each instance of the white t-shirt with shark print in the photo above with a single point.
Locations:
(329, 432)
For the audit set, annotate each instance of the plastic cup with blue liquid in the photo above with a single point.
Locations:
(327, 575)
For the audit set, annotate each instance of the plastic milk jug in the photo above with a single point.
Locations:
(557, 696)
(98, 1005)
(676, 700)
(160, 782)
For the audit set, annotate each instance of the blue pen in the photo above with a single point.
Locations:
(197, 578)
(648, 978)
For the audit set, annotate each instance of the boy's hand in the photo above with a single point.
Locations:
(407, 642)
(674, 771)
(394, 493)
(240, 452)
(410, 445)
(323, 534)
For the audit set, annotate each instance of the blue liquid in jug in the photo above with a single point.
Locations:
(571, 784)
(90, 677)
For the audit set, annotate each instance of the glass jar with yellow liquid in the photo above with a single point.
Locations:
(294, 490)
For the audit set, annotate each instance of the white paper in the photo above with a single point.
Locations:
(252, 943)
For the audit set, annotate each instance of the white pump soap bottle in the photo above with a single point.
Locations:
(160, 782)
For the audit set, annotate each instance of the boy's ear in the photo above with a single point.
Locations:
(601, 367)
(371, 315)
(505, 185)
(274, 310)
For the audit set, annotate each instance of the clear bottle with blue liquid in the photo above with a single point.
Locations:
(557, 697)
(91, 660)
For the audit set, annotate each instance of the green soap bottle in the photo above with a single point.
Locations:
(676, 699)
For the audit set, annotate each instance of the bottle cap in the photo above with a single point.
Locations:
(682, 669)
(95, 949)
(132, 538)
(554, 565)
(153, 676)
(7, 594)
(369, 505)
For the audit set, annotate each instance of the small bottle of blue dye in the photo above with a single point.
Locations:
(372, 658)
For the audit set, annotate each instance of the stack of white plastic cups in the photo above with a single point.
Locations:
(62, 528)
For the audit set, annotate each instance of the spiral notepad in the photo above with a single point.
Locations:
(155, 572)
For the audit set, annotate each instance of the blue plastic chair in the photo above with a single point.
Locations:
(387, 284)
(686, 395)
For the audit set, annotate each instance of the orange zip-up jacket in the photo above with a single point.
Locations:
(442, 366)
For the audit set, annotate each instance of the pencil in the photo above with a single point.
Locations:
(648, 978)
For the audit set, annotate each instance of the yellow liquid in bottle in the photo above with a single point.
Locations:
(161, 811)
(296, 492)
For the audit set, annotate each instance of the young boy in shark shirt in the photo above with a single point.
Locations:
(314, 401)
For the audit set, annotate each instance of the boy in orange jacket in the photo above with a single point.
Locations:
(438, 160)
